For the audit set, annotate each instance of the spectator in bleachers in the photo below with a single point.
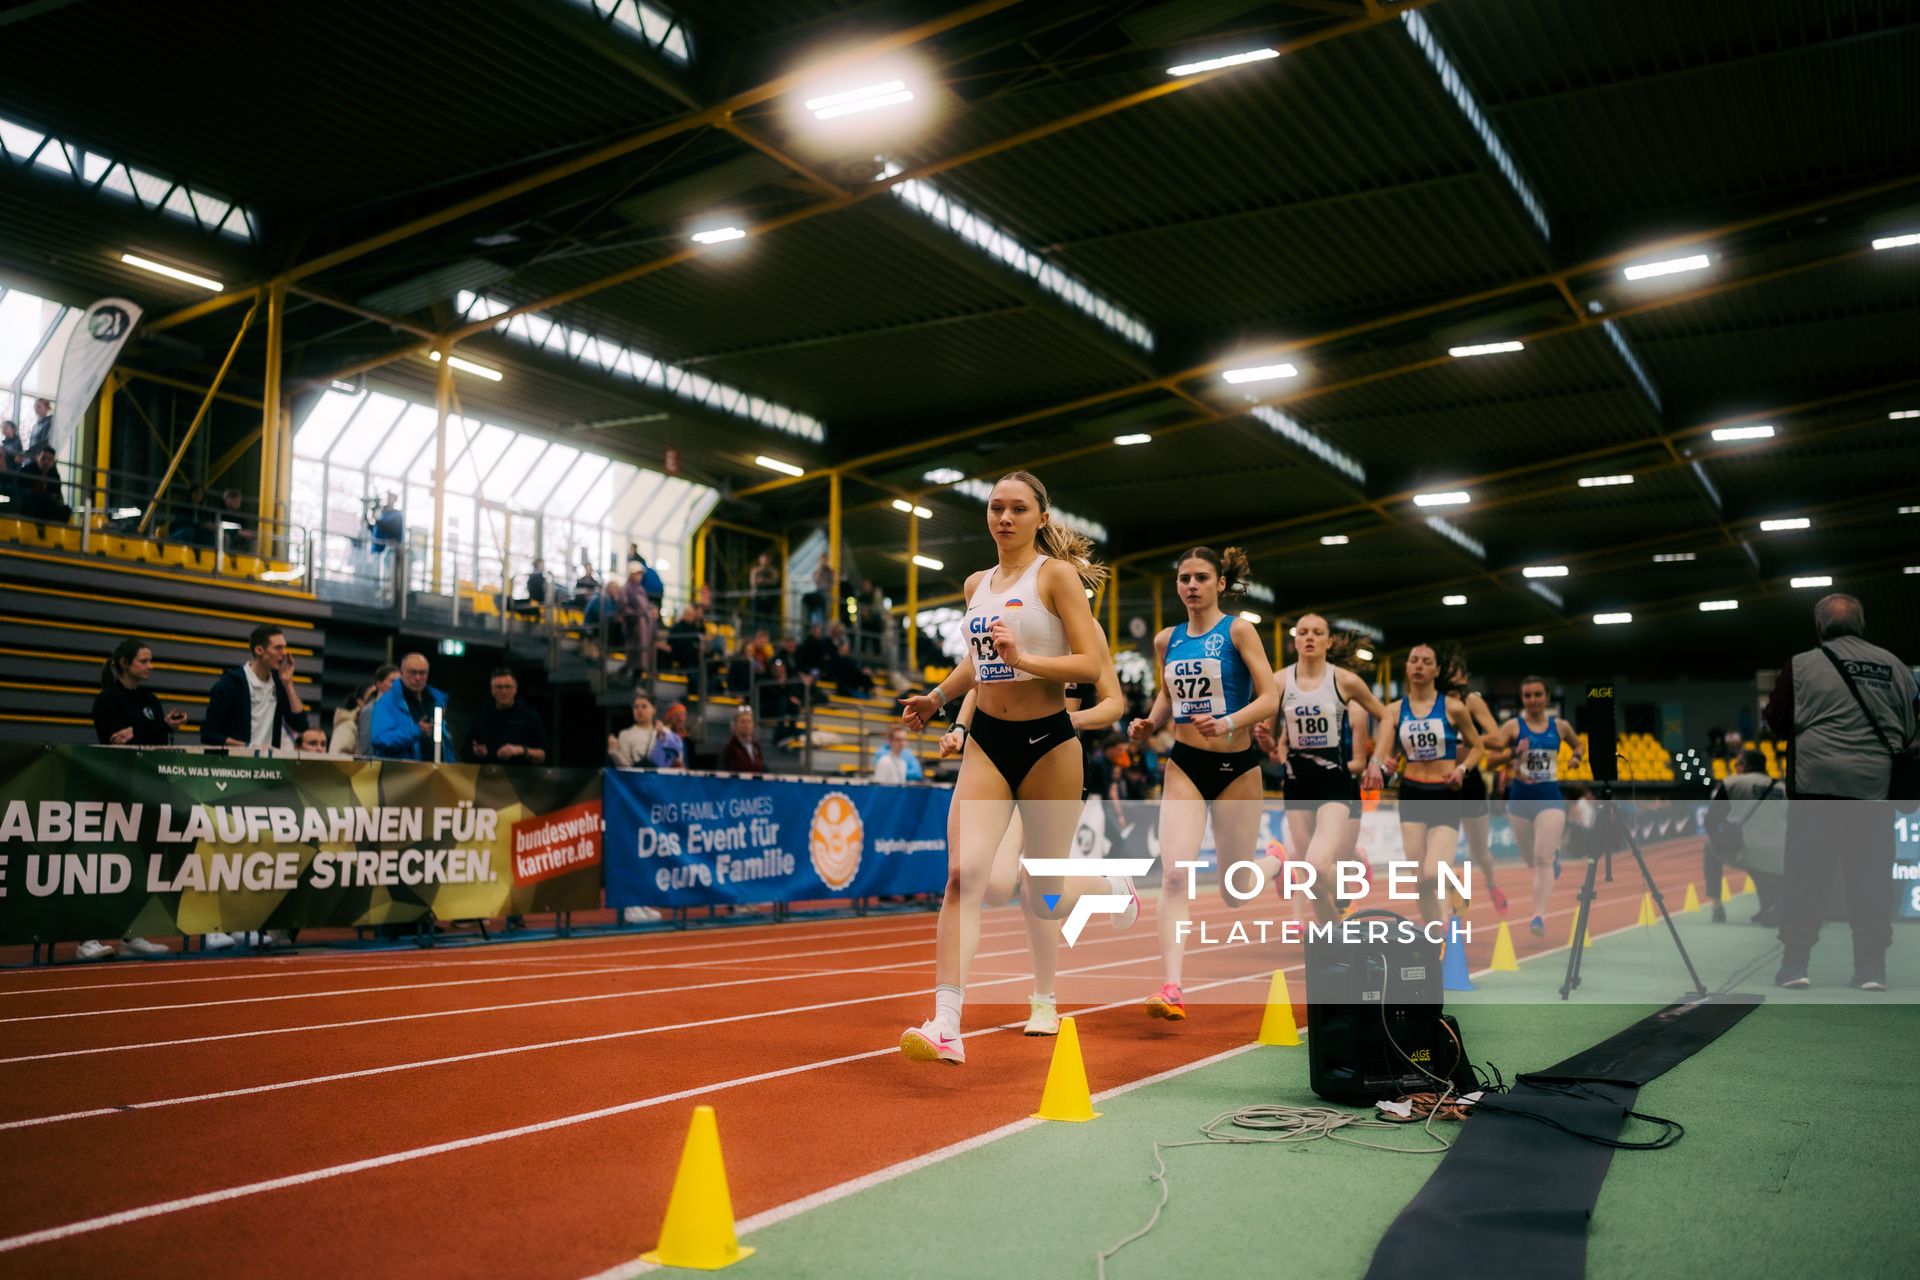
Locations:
(675, 719)
(401, 726)
(37, 489)
(646, 743)
(13, 450)
(191, 520)
(383, 677)
(535, 601)
(313, 742)
(42, 425)
(389, 526)
(742, 753)
(743, 668)
(241, 538)
(847, 675)
(1744, 798)
(600, 619)
(814, 650)
(649, 577)
(1848, 706)
(895, 762)
(819, 602)
(125, 713)
(640, 617)
(686, 639)
(586, 586)
(253, 705)
(346, 717)
(763, 585)
(509, 731)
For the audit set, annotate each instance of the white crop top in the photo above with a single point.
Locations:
(1040, 633)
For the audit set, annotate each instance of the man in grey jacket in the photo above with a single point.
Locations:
(1838, 761)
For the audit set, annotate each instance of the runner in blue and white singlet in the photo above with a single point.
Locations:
(1535, 806)
(1426, 730)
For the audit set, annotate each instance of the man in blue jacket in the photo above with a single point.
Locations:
(402, 721)
(254, 704)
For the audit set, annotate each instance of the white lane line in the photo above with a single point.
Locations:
(146, 1212)
(454, 1013)
(335, 968)
(674, 941)
(289, 996)
(579, 1040)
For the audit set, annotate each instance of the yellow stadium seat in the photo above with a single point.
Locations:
(10, 531)
(245, 566)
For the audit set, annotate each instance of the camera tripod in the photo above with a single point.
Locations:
(1607, 818)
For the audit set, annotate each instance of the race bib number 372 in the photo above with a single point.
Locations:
(1195, 687)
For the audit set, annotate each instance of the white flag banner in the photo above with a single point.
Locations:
(91, 350)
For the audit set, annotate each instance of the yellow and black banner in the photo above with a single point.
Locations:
(99, 842)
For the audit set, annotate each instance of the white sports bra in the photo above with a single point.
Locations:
(1040, 633)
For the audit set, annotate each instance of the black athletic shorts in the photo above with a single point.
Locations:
(1214, 771)
(1315, 778)
(1433, 803)
(1015, 746)
(1473, 795)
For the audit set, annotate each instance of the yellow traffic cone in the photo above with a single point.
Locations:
(1648, 916)
(1277, 1026)
(1504, 961)
(1574, 928)
(1692, 902)
(1066, 1096)
(698, 1232)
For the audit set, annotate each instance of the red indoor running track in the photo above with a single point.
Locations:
(519, 1108)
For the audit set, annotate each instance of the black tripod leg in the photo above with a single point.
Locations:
(1660, 903)
(1580, 921)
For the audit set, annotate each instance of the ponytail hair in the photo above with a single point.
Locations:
(1058, 541)
(122, 657)
(1230, 566)
(1453, 671)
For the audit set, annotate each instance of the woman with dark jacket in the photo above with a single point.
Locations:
(124, 713)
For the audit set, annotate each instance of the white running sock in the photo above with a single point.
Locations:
(946, 1007)
(1046, 996)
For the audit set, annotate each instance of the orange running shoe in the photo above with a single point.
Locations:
(1167, 1003)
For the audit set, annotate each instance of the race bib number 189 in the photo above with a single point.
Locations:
(1422, 739)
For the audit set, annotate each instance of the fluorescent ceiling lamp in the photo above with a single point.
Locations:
(1910, 511)
(172, 273)
(347, 387)
(1137, 438)
(1899, 414)
(1365, 655)
(1818, 580)
(1533, 639)
(1545, 571)
(1897, 242)
(467, 366)
(1602, 482)
(902, 505)
(1673, 557)
(1254, 618)
(1762, 432)
(1485, 349)
(1335, 540)
(1261, 373)
(1912, 568)
(775, 464)
(868, 98)
(928, 562)
(1453, 600)
(124, 513)
(1215, 64)
(1718, 606)
(721, 236)
(1672, 266)
(1779, 526)
(1611, 619)
(1454, 498)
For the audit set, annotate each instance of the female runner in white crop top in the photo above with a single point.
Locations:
(1029, 634)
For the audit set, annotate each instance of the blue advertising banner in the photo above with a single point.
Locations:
(690, 839)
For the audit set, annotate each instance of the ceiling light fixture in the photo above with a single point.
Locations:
(928, 562)
(1261, 373)
(1485, 349)
(719, 236)
(867, 98)
(1335, 540)
(1674, 557)
(1602, 482)
(1611, 619)
(1230, 60)
(775, 464)
(1899, 414)
(1782, 526)
(1897, 242)
(907, 508)
(1366, 655)
(1545, 571)
(1453, 498)
(1139, 437)
(172, 273)
(1672, 266)
(1718, 606)
(1761, 432)
(1453, 600)
(1815, 580)
(467, 366)
(1254, 618)
(1533, 639)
